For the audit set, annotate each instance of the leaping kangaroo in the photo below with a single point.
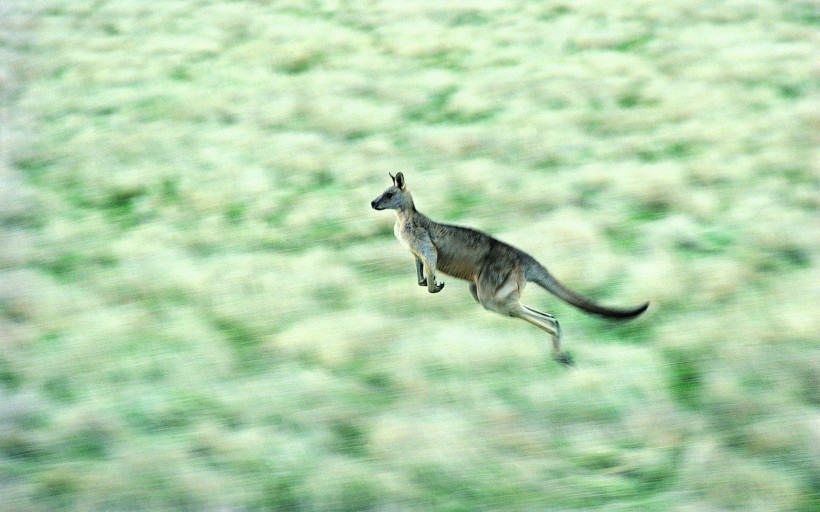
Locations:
(497, 272)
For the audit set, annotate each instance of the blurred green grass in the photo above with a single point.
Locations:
(198, 309)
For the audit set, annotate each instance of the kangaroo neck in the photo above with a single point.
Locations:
(408, 209)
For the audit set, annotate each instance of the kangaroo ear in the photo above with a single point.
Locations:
(399, 180)
(392, 177)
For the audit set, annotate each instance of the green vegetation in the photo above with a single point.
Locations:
(199, 310)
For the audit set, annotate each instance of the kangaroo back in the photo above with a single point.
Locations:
(536, 273)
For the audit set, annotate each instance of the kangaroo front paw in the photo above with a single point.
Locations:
(437, 288)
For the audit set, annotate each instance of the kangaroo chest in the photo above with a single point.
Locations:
(404, 233)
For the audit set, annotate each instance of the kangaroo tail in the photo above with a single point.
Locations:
(539, 275)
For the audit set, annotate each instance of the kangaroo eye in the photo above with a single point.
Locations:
(388, 195)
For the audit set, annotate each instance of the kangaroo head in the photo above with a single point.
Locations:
(396, 197)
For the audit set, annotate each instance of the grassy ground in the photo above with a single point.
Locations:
(199, 311)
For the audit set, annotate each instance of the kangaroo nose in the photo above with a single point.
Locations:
(373, 204)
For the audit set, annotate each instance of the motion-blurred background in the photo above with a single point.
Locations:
(200, 311)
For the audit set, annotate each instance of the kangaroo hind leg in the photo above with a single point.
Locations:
(550, 324)
(503, 297)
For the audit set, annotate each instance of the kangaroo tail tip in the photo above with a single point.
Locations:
(637, 311)
(622, 314)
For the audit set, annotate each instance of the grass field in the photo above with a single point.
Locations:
(200, 311)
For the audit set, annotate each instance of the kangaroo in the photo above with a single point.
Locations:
(496, 272)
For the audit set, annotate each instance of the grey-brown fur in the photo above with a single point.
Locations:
(497, 272)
